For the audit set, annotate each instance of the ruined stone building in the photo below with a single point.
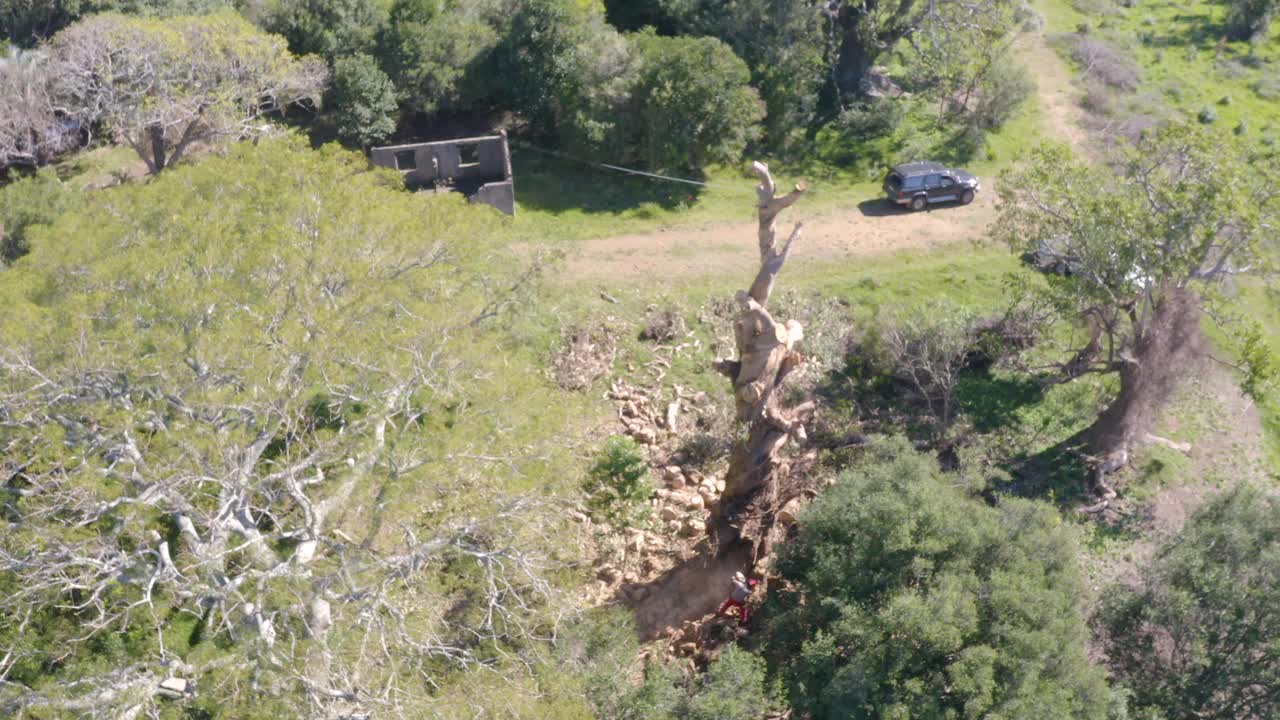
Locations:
(478, 167)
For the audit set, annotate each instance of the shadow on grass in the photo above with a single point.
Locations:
(1058, 474)
(554, 185)
(1189, 30)
(993, 402)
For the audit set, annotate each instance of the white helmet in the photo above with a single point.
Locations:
(740, 577)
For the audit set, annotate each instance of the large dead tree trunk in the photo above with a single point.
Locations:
(766, 355)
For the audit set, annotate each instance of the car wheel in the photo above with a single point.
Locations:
(919, 202)
(966, 197)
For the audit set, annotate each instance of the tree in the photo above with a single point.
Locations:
(871, 28)
(1143, 250)
(160, 85)
(760, 480)
(328, 28)
(692, 103)
(960, 52)
(32, 130)
(1199, 635)
(905, 596)
(365, 99)
(436, 50)
(565, 70)
(240, 407)
(1250, 19)
(867, 29)
(28, 22)
(782, 41)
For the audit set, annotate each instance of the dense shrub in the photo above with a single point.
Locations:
(782, 41)
(1268, 86)
(913, 598)
(565, 70)
(329, 28)
(601, 650)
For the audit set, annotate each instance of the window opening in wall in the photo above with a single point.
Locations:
(469, 154)
(406, 160)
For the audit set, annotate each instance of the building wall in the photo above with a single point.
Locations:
(491, 159)
(444, 160)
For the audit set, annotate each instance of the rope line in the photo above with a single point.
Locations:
(619, 168)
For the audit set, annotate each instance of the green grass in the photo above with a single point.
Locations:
(1176, 44)
(99, 167)
(560, 199)
(1264, 306)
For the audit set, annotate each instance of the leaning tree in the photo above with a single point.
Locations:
(1140, 256)
(161, 85)
(756, 484)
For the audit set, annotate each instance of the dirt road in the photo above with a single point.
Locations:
(859, 229)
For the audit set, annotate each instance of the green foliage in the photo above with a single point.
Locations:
(328, 28)
(1250, 19)
(733, 688)
(913, 598)
(436, 52)
(35, 200)
(264, 309)
(692, 104)
(564, 69)
(1156, 227)
(365, 98)
(1200, 636)
(616, 484)
(782, 41)
(600, 652)
(26, 22)
(160, 85)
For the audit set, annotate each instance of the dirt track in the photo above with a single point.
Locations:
(861, 228)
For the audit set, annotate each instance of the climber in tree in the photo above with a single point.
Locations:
(742, 589)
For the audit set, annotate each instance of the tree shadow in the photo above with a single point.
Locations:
(691, 590)
(1058, 473)
(993, 402)
(558, 185)
(1187, 29)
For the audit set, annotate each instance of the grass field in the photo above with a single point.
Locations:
(1187, 67)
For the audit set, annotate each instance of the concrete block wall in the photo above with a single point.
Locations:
(443, 160)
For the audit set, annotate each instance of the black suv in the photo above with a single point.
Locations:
(917, 184)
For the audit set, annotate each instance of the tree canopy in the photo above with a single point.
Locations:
(904, 596)
(1199, 635)
(691, 103)
(1190, 207)
(160, 85)
(217, 390)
